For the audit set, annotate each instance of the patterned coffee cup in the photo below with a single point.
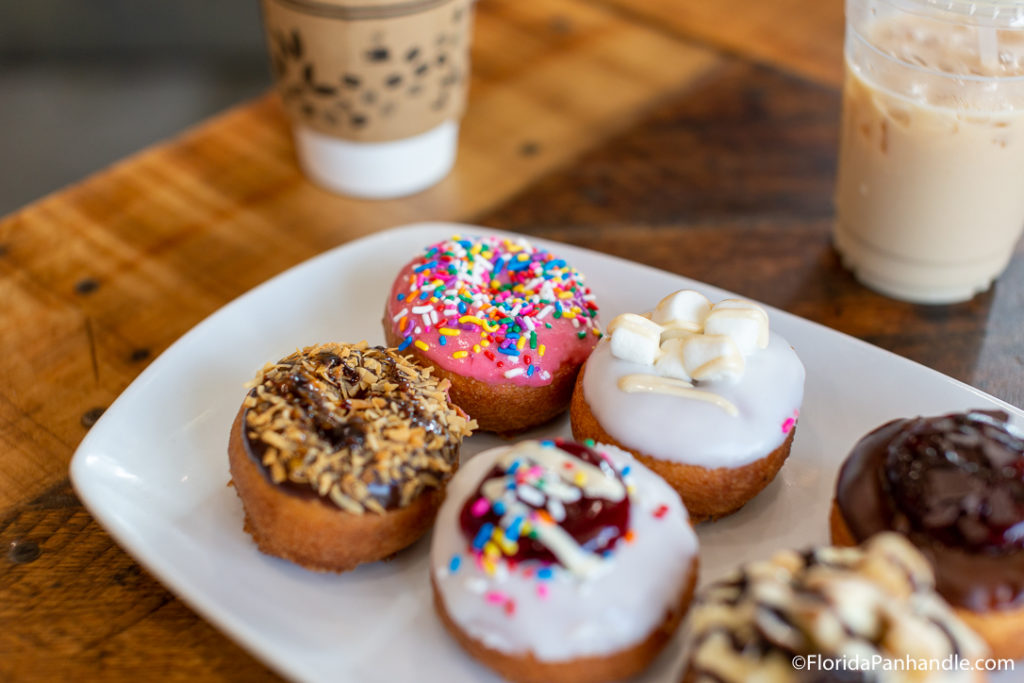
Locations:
(374, 88)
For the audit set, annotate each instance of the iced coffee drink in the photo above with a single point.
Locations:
(930, 194)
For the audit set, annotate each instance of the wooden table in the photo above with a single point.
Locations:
(698, 137)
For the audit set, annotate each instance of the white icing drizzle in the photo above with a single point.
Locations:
(595, 483)
(578, 561)
(633, 322)
(572, 617)
(632, 384)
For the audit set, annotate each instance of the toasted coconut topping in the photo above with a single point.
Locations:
(362, 427)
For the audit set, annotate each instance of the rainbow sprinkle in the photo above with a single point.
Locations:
(790, 422)
(500, 291)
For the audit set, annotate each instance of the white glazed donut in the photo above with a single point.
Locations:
(536, 620)
(721, 392)
(768, 398)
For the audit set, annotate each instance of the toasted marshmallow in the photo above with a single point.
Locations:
(670, 362)
(682, 310)
(744, 322)
(634, 338)
(712, 357)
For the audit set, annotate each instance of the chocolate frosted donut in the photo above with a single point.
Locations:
(340, 454)
(864, 611)
(953, 484)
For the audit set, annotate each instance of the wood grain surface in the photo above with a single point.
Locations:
(111, 271)
(695, 137)
(799, 36)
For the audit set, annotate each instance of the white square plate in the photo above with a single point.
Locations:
(154, 469)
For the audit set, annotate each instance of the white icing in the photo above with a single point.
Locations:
(695, 432)
(603, 614)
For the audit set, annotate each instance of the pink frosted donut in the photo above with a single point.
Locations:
(509, 324)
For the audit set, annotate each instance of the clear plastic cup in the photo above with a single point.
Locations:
(930, 191)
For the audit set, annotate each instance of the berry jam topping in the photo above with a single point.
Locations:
(553, 501)
(959, 479)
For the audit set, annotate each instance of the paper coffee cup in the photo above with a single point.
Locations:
(374, 88)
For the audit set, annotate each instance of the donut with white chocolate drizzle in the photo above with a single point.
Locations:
(813, 608)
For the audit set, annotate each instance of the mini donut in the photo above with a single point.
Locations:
(340, 454)
(554, 562)
(507, 323)
(954, 485)
(705, 395)
(844, 614)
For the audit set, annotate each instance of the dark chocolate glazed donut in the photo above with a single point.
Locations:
(954, 484)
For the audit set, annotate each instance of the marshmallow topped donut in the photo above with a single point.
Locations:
(705, 395)
(554, 561)
(507, 323)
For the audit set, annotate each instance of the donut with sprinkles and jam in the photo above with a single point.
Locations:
(540, 546)
(954, 485)
(507, 323)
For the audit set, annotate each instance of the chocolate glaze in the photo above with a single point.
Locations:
(596, 524)
(954, 485)
(324, 415)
